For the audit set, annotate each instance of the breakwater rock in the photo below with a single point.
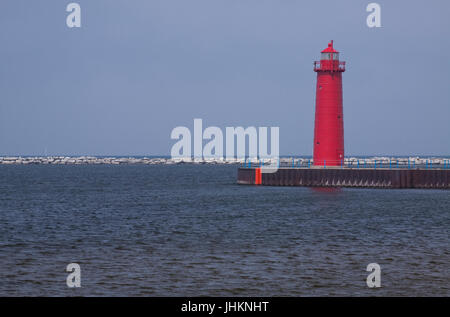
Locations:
(83, 160)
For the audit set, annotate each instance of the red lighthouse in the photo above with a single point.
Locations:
(329, 120)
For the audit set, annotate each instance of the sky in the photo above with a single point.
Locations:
(136, 69)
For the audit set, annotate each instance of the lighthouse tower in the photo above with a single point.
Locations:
(329, 119)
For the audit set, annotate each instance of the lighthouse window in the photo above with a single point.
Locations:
(329, 56)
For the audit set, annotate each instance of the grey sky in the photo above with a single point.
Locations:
(137, 69)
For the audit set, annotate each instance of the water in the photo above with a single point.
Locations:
(190, 230)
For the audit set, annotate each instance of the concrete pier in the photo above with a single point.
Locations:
(349, 177)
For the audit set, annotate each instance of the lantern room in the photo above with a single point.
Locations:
(329, 60)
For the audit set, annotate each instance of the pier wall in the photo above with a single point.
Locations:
(345, 177)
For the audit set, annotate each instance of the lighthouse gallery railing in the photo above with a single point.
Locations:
(329, 65)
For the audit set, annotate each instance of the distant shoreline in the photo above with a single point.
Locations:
(120, 160)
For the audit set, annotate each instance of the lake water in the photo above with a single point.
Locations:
(190, 230)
